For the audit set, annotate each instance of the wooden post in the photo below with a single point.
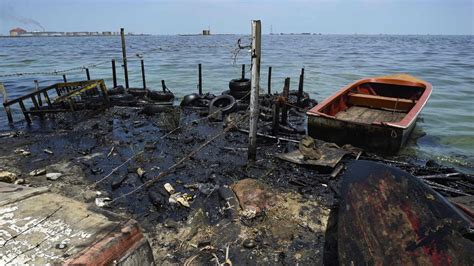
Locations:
(5, 100)
(200, 79)
(124, 56)
(23, 109)
(40, 101)
(64, 78)
(88, 74)
(269, 80)
(256, 57)
(284, 109)
(243, 71)
(143, 73)
(163, 85)
(276, 118)
(300, 88)
(114, 73)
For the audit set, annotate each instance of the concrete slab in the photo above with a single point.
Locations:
(38, 227)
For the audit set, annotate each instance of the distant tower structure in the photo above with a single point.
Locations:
(17, 31)
(207, 32)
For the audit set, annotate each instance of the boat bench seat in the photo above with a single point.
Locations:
(380, 102)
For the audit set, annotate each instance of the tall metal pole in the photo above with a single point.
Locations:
(300, 88)
(114, 73)
(143, 73)
(269, 80)
(256, 56)
(200, 79)
(124, 56)
(88, 74)
(243, 71)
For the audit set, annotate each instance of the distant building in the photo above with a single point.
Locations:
(17, 31)
(206, 32)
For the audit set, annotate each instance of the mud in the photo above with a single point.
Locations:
(87, 146)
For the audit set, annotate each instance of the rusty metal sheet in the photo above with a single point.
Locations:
(388, 216)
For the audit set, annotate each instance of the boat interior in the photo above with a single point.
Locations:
(373, 102)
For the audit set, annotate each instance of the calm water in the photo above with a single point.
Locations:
(330, 62)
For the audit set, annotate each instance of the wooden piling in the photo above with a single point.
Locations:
(143, 73)
(114, 73)
(300, 88)
(200, 79)
(5, 100)
(88, 74)
(254, 110)
(163, 85)
(269, 80)
(23, 109)
(276, 118)
(284, 109)
(124, 56)
(243, 71)
(64, 78)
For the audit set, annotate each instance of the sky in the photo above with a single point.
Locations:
(234, 16)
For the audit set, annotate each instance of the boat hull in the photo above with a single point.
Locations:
(378, 138)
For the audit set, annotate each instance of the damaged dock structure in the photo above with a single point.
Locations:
(179, 170)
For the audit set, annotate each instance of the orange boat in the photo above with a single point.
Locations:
(377, 114)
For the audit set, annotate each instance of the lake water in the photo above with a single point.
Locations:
(330, 62)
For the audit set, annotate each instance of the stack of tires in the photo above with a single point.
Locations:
(239, 88)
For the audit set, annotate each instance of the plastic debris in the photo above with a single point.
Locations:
(47, 151)
(101, 202)
(38, 172)
(53, 176)
(169, 188)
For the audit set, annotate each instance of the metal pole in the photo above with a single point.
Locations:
(256, 57)
(124, 56)
(88, 74)
(114, 73)
(243, 71)
(64, 78)
(143, 73)
(200, 79)
(284, 109)
(269, 80)
(300, 88)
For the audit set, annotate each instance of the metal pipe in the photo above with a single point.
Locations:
(124, 56)
(88, 74)
(243, 71)
(300, 88)
(269, 80)
(143, 73)
(114, 73)
(200, 79)
(255, 87)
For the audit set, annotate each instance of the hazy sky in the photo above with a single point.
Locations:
(234, 16)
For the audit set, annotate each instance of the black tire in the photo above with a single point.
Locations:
(189, 99)
(237, 94)
(224, 103)
(160, 96)
(239, 85)
(117, 90)
(138, 92)
(123, 100)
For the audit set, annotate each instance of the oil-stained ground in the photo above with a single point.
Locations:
(86, 147)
